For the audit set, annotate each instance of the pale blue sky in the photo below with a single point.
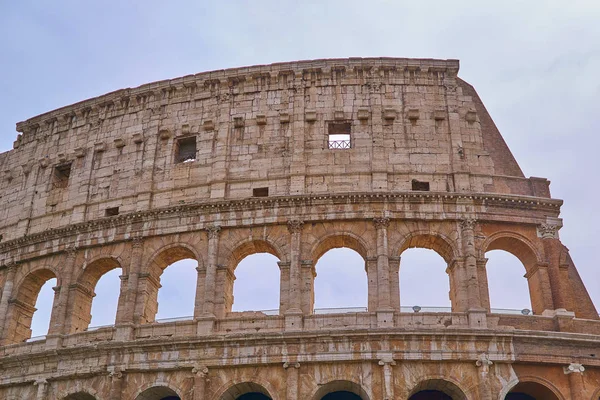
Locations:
(533, 63)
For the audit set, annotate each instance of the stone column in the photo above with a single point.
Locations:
(485, 388)
(200, 380)
(200, 288)
(116, 382)
(295, 229)
(539, 289)
(284, 286)
(575, 372)
(291, 380)
(308, 273)
(559, 281)
(42, 389)
(211, 270)
(126, 314)
(69, 276)
(383, 268)
(484, 292)
(388, 377)
(6, 295)
(470, 264)
(458, 289)
(395, 282)
(373, 282)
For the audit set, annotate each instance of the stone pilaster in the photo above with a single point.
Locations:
(483, 364)
(292, 380)
(484, 291)
(394, 263)
(388, 377)
(126, 313)
(470, 264)
(575, 373)
(295, 229)
(200, 380)
(559, 281)
(116, 382)
(42, 388)
(458, 287)
(6, 295)
(383, 268)
(211, 270)
(61, 305)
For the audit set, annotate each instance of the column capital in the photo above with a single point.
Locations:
(213, 231)
(287, 365)
(467, 223)
(574, 368)
(548, 231)
(295, 226)
(115, 372)
(71, 251)
(137, 241)
(200, 370)
(381, 222)
(484, 362)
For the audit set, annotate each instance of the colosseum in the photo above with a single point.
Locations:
(377, 155)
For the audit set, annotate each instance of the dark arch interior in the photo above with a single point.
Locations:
(530, 391)
(430, 395)
(80, 396)
(341, 396)
(253, 396)
(158, 393)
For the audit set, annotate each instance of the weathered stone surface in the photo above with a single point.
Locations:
(101, 184)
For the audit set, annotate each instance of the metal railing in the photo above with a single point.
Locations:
(339, 144)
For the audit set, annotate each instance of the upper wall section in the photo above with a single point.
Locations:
(309, 127)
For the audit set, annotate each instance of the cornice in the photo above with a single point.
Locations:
(224, 206)
(381, 69)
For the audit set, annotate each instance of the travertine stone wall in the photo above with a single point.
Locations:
(257, 127)
(267, 127)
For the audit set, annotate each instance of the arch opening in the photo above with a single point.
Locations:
(424, 281)
(341, 390)
(246, 391)
(170, 282)
(340, 281)
(257, 284)
(177, 294)
(507, 285)
(80, 396)
(341, 395)
(539, 297)
(437, 389)
(30, 313)
(530, 391)
(96, 293)
(158, 393)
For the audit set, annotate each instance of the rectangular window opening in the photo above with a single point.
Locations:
(260, 192)
(420, 186)
(112, 211)
(339, 135)
(186, 150)
(61, 176)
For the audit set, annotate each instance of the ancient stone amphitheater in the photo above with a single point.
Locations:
(292, 159)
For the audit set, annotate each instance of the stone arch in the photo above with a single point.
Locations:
(546, 386)
(442, 245)
(22, 304)
(338, 240)
(233, 390)
(158, 261)
(435, 241)
(82, 293)
(340, 386)
(343, 239)
(235, 256)
(445, 385)
(532, 260)
(596, 395)
(80, 395)
(516, 244)
(251, 246)
(156, 391)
